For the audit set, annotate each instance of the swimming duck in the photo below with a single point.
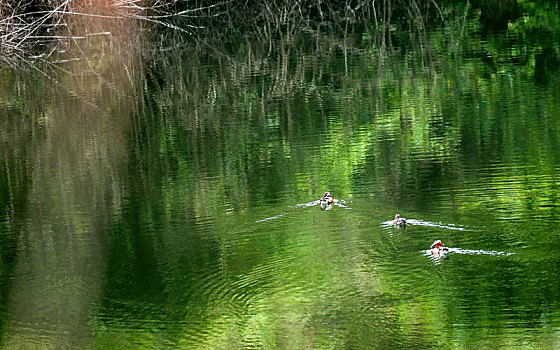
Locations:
(326, 201)
(438, 248)
(327, 198)
(399, 221)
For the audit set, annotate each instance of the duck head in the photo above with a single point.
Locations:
(437, 244)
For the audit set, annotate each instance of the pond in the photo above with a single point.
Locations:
(169, 199)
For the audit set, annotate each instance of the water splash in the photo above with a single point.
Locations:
(478, 252)
(337, 202)
(389, 223)
(270, 218)
(428, 252)
(341, 203)
(436, 257)
(306, 205)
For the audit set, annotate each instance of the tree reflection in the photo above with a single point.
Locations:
(129, 187)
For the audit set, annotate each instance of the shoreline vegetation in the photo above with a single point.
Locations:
(38, 29)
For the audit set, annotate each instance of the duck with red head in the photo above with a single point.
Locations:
(326, 201)
(438, 248)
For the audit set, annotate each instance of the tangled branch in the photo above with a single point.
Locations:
(23, 26)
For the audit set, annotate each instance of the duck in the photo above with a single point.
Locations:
(326, 201)
(327, 198)
(398, 221)
(438, 248)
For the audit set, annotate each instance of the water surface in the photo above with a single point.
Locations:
(169, 200)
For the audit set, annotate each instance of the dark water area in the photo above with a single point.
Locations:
(169, 198)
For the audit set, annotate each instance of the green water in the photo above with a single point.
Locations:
(166, 199)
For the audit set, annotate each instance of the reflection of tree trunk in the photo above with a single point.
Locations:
(495, 15)
(76, 189)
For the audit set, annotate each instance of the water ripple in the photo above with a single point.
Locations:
(337, 202)
(428, 252)
(389, 223)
